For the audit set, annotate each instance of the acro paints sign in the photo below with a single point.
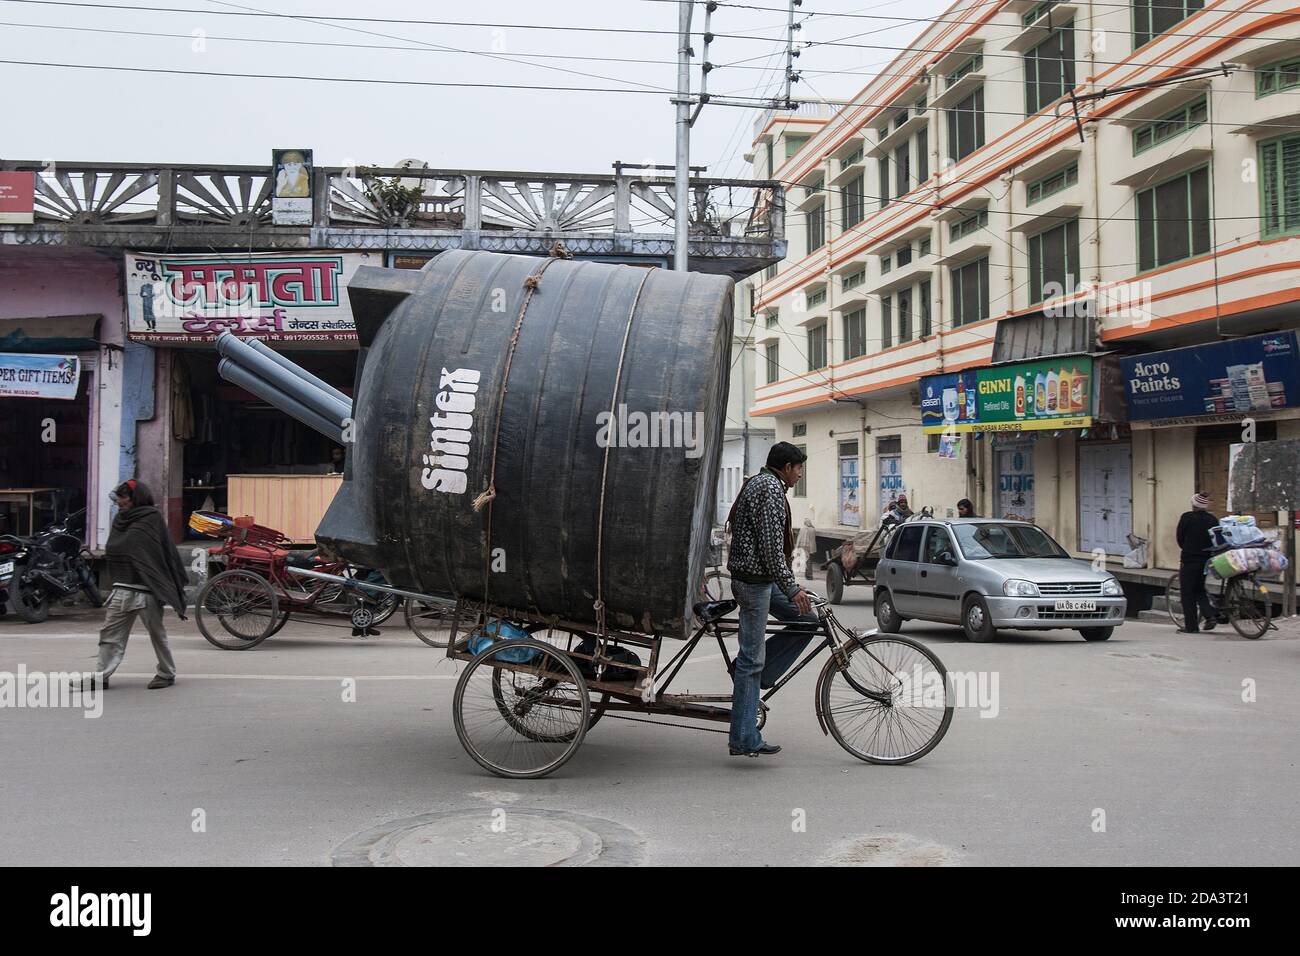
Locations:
(1254, 374)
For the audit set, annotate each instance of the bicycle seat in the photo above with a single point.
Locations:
(710, 611)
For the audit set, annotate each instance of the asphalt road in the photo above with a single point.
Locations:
(1140, 750)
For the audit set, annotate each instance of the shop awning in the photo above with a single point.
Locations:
(58, 333)
(1044, 336)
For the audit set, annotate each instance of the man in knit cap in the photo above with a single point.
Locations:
(1194, 541)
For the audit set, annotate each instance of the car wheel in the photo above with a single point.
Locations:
(976, 620)
(1096, 633)
(887, 619)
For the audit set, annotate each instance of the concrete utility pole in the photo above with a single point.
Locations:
(682, 202)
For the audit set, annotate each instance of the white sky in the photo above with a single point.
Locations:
(96, 115)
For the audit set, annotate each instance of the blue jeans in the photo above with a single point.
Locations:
(759, 663)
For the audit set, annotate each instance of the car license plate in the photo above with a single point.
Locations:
(6, 568)
(1073, 604)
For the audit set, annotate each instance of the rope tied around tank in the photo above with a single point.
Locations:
(484, 497)
(487, 495)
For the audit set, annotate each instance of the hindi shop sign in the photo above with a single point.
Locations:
(1239, 376)
(1027, 396)
(17, 198)
(189, 299)
(24, 375)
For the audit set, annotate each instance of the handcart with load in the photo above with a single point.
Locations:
(854, 562)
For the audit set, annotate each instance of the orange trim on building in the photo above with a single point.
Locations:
(835, 385)
(1200, 315)
(991, 156)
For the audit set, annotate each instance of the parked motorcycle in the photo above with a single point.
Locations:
(51, 565)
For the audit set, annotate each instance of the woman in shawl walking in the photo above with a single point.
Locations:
(147, 572)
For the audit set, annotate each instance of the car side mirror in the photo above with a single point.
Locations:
(946, 559)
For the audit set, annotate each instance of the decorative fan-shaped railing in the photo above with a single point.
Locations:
(227, 199)
(96, 196)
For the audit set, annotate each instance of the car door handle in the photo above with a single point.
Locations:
(924, 573)
(891, 570)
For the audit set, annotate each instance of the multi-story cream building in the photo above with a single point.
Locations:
(959, 240)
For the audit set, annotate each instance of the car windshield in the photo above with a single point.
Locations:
(988, 540)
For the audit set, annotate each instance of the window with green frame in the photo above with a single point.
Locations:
(970, 292)
(817, 347)
(965, 227)
(816, 298)
(853, 206)
(1037, 11)
(1054, 261)
(793, 143)
(815, 227)
(1167, 127)
(1173, 219)
(855, 333)
(1279, 184)
(769, 319)
(853, 280)
(1154, 17)
(972, 65)
(1049, 69)
(1057, 181)
(923, 296)
(801, 486)
(771, 356)
(1277, 77)
(966, 126)
(853, 157)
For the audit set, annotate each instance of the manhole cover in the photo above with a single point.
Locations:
(499, 836)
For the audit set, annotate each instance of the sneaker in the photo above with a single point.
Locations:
(1210, 624)
(159, 682)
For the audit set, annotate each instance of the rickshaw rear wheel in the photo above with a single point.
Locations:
(243, 603)
(546, 698)
(886, 701)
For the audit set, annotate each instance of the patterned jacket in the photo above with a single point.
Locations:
(761, 536)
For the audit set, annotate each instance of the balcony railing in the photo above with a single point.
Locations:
(224, 198)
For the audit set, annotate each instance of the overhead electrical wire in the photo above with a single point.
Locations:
(410, 21)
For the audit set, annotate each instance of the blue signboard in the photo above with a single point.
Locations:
(949, 400)
(1238, 376)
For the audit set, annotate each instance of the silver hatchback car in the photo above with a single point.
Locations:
(986, 574)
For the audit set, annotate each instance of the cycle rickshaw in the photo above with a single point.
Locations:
(523, 705)
(255, 595)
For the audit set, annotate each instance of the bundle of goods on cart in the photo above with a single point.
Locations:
(1247, 548)
(1238, 531)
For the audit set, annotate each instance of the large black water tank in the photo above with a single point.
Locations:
(434, 349)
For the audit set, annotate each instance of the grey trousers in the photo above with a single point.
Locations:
(123, 606)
